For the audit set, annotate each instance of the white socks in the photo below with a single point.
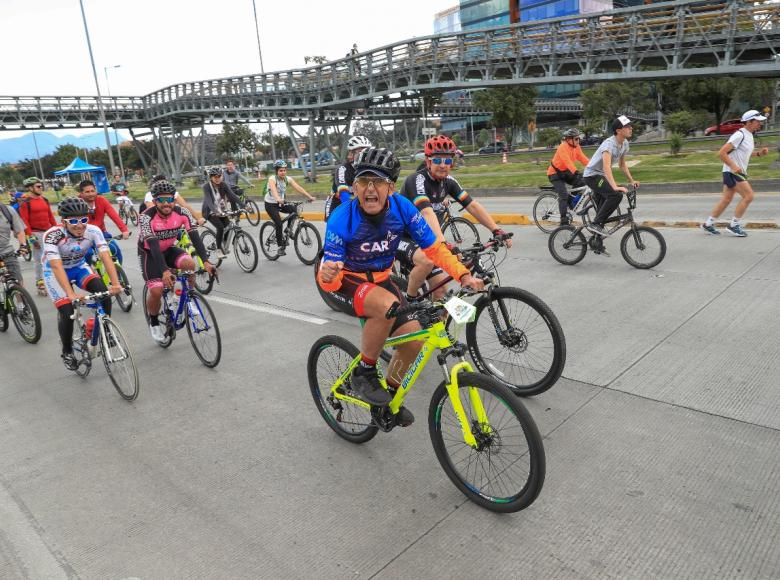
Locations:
(734, 222)
(710, 221)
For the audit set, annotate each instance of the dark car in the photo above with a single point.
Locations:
(496, 147)
(591, 140)
(725, 128)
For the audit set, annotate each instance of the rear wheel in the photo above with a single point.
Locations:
(329, 358)
(517, 339)
(133, 215)
(505, 471)
(546, 213)
(24, 313)
(203, 330)
(268, 244)
(125, 297)
(307, 243)
(119, 361)
(567, 245)
(461, 232)
(643, 247)
(210, 243)
(245, 250)
(252, 212)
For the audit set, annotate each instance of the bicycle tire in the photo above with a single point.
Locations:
(530, 351)
(631, 240)
(340, 353)
(115, 339)
(461, 232)
(125, 297)
(546, 207)
(163, 318)
(210, 243)
(252, 209)
(526, 464)
(133, 216)
(204, 282)
(305, 236)
(200, 307)
(3, 318)
(81, 352)
(245, 251)
(327, 297)
(567, 239)
(268, 243)
(30, 331)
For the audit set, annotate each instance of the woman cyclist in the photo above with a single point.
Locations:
(275, 190)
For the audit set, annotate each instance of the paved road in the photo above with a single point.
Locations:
(676, 207)
(662, 440)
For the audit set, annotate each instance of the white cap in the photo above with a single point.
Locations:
(753, 115)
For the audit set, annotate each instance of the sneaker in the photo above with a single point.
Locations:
(737, 230)
(158, 333)
(70, 361)
(365, 383)
(710, 229)
(283, 250)
(404, 417)
(598, 230)
(221, 255)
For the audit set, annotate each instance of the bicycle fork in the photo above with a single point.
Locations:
(451, 384)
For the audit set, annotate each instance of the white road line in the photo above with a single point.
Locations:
(269, 310)
(21, 541)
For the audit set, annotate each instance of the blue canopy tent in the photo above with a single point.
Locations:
(98, 173)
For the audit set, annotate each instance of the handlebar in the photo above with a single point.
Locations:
(95, 297)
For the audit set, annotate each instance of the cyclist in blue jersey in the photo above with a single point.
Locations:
(361, 239)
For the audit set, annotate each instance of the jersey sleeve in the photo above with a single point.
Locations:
(144, 228)
(415, 223)
(51, 244)
(109, 209)
(456, 192)
(94, 234)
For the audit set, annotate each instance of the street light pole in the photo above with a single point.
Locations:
(262, 71)
(116, 133)
(101, 112)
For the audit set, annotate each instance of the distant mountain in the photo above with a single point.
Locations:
(17, 148)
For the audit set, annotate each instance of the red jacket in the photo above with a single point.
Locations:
(36, 214)
(98, 218)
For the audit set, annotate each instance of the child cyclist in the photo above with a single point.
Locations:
(64, 249)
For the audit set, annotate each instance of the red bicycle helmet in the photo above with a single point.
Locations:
(439, 144)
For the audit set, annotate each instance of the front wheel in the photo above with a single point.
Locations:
(307, 243)
(504, 470)
(245, 251)
(461, 232)
(203, 330)
(252, 212)
(119, 362)
(516, 339)
(133, 216)
(567, 245)
(268, 244)
(125, 297)
(329, 358)
(24, 313)
(547, 215)
(643, 247)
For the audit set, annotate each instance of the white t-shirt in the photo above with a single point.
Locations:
(149, 198)
(743, 144)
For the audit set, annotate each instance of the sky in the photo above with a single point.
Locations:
(162, 42)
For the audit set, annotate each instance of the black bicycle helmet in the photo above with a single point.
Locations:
(158, 177)
(163, 188)
(378, 160)
(73, 207)
(215, 171)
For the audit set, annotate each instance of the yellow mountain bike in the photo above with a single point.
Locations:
(484, 438)
(204, 281)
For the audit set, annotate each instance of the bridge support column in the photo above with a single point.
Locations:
(312, 150)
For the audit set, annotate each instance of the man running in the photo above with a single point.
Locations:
(344, 175)
(65, 249)
(361, 239)
(35, 211)
(736, 154)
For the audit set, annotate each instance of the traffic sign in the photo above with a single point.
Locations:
(429, 131)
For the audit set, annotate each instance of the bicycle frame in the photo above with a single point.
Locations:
(436, 338)
(178, 320)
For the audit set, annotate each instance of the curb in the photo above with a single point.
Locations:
(519, 219)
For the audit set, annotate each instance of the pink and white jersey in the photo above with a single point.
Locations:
(152, 224)
(59, 244)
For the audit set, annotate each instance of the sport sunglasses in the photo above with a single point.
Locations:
(165, 199)
(440, 160)
(77, 221)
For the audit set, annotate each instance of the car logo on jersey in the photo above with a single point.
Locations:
(383, 246)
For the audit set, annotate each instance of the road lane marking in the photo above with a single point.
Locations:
(269, 310)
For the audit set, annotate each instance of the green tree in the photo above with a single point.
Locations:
(512, 107)
(9, 175)
(605, 101)
(680, 123)
(675, 143)
(717, 95)
(483, 137)
(234, 138)
(549, 136)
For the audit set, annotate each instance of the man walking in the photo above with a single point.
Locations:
(736, 154)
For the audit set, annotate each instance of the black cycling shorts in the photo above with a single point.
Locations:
(354, 290)
(151, 271)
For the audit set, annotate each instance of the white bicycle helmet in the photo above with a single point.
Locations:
(358, 142)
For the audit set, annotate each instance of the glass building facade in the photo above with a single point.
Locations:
(531, 10)
(447, 21)
(476, 14)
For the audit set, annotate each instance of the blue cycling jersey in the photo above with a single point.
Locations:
(364, 247)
